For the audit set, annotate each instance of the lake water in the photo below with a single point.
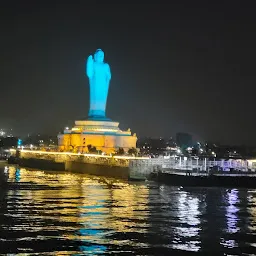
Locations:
(50, 213)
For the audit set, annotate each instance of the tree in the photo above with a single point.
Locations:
(92, 149)
(8, 142)
(120, 151)
(132, 151)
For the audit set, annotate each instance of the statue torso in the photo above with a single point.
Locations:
(99, 70)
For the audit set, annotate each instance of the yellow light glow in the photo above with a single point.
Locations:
(103, 130)
(77, 154)
(76, 129)
(87, 203)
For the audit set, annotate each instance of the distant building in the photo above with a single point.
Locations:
(157, 146)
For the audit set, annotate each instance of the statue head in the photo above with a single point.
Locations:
(99, 56)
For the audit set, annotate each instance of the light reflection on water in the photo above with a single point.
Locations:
(74, 214)
(189, 218)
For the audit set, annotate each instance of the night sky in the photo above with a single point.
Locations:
(184, 67)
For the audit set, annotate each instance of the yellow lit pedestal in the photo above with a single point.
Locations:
(104, 135)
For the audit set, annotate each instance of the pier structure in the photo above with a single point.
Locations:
(143, 166)
(195, 166)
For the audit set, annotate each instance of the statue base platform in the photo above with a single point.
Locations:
(98, 118)
(104, 135)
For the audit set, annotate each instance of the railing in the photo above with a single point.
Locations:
(204, 165)
(193, 164)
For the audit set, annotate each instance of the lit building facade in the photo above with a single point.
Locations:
(103, 135)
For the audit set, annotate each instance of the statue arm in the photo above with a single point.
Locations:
(89, 66)
(108, 72)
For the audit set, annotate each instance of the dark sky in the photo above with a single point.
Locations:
(187, 66)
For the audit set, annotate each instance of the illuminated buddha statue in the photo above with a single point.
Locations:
(99, 76)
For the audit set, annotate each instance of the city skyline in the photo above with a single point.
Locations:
(176, 68)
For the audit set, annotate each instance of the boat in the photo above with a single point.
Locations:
(175, 178)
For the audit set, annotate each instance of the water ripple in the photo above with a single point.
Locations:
(49, 213)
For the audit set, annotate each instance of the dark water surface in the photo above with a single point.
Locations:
(49, 213)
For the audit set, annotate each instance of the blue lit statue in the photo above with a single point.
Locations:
(99, 76)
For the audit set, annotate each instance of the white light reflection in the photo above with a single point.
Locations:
(189, 220)
(6, 169)
(232, 211)
(251, 198)
(228, 243)
(232, 218)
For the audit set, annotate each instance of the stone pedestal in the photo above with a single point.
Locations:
(104, 135)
